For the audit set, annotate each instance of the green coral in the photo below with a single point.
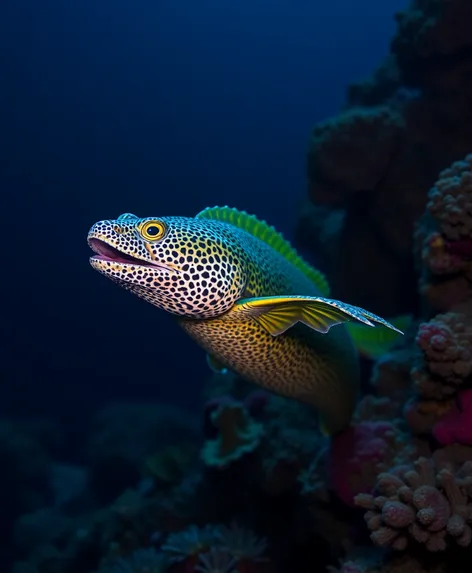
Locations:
(238, 434)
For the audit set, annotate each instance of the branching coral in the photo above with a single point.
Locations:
(419, 503)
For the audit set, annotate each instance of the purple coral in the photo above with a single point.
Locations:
(422, 504)
(358, 455)
(456, 425)
(450, 202)
(446, 343)
(444, 238)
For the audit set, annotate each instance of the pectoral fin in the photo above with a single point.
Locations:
(276, 314)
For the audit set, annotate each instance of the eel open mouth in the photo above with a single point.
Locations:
(105, 252)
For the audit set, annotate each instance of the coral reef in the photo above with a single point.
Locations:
(443, 241)
(251, 485)
(237, 433)
(422, 503)
(364, 451)
(370, 168)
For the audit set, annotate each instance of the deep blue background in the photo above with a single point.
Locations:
(154, 107)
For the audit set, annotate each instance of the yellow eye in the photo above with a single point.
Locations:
(153, 230)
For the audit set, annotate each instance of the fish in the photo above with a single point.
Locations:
(253, 304)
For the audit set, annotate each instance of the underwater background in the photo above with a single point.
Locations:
(347, 128)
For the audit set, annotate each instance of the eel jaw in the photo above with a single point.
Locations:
(106, 253)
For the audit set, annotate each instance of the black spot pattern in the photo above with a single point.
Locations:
(301, 363)
(205, 267)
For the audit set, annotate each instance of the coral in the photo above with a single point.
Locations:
(391, 374)
(421, 503)
(189, 542)
(216, 561)
(291, 435)
(446, 361)
(160, 500)
(428, 33)
(358, 455)
(241, 543)
(238, 435)
(169, 464)
(291, 431)
(374, 186)
(351, 152)
(254, 402)
(456, 425)
(422, 415)
(450, 204)
(443, 238)
(391, 563)
(215, 548)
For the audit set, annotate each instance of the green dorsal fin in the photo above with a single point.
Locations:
(270, 236)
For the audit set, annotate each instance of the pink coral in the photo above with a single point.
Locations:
(450, 204)
(422, 415)
(446, 343)
(359, 454)
(443, 238)
(424, 503)
(456, 426)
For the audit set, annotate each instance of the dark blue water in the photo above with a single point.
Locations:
(154, 107)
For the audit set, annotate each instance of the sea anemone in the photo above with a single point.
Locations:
(189, 542)
(216, 560)
(241, 543)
